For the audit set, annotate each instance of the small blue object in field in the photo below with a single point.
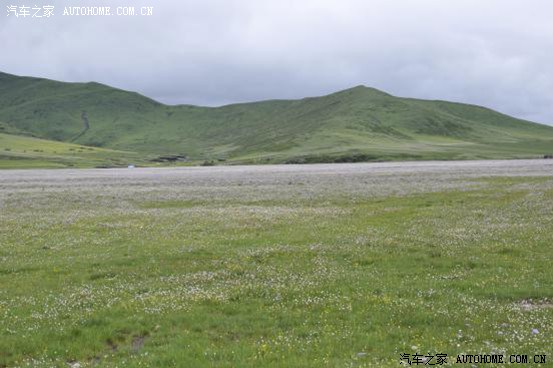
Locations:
(130, 167)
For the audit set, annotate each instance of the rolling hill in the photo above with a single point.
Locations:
(357, 124)
(27, 152)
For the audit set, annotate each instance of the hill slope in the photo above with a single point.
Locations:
(26, 152)
(357, 124)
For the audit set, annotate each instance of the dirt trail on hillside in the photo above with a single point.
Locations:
(84, 118)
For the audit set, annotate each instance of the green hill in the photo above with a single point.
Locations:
(26, 152)
(358, 124)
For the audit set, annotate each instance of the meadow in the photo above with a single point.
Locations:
(330, 265)
(20, 152)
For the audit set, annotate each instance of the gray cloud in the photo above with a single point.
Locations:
(496, 53)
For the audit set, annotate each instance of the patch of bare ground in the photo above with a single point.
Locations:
(535, 304)
(138, 343)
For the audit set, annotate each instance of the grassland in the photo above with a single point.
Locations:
(25, 152)
(275, 266)
(357, 124)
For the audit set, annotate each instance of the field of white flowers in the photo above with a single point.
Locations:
(345, 265)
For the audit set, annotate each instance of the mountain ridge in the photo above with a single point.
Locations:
(359, 123)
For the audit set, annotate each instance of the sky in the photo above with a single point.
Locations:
(496, 53)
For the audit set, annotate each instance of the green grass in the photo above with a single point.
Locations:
(26, 152)
(357, 122)
(302, 270)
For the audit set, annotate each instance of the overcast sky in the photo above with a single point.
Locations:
(497, 53)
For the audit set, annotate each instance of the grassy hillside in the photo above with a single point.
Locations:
(26, 152)
(358, 124)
